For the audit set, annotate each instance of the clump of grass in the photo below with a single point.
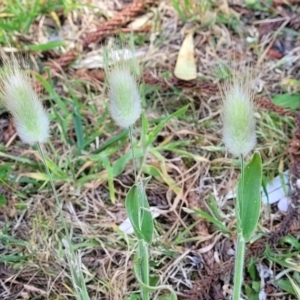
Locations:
(32, 125)
(125, 108)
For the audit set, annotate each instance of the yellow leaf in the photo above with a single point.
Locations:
(37, 176)
(141, 21)
(186, 68)
(55, 18)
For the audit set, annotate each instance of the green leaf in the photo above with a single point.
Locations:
(110, 177)
(248, 197)
(22, 160)
(140, 272)
(176, 5)
(5, 170)
(180, 239)
(138, 211)
(46, 46)
(3, 201)
(163, 171)
(116, 138)
(286, 286)
(142, 260)
(12, 258)
(120, 164)
(286, 260)
(145, 128)
(152, 171)
(295, 285)
(212, 220)
(214, 207)
(161, 125)
(256, 286)
(78, 126)
(252, 270)
(9, 240)
(291, 241)
(52, 93)
(53, 96)
(289, 101)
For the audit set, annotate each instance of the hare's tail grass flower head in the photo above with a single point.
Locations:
(238, 111)
(125, 102)
(21, 100)
(124, 97)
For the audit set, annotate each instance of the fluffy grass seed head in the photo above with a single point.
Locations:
(238, 111)
(125, 100)
(21, 100)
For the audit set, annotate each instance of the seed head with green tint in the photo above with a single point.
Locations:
(239, 134)
(21, 100)
(125, 101)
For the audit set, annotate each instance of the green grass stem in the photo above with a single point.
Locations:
(239, 267)
(240, 246)
(133, 157)
(144, 255)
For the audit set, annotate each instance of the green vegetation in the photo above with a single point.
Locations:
(65, 201)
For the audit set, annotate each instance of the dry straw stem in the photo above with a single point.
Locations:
(238, 110)
(21, 100)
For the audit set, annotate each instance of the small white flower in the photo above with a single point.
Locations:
(20, 99)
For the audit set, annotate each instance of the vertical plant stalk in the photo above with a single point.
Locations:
(143, 256)
(239, 198)
(125, 108)
(240, 245)
(79, 284)
(142, 249)
(239, 267)
(239, 138)
(133, 156)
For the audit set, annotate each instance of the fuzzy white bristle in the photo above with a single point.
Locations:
(23, 103)
(239, 134)
(125, 101)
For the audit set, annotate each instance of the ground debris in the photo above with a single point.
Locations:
(128, 14)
